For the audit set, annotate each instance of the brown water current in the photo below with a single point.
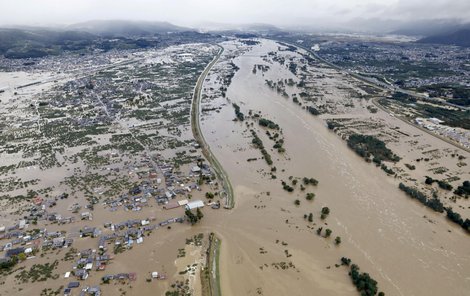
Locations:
(382, 230)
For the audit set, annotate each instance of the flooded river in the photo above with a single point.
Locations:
(407, 248)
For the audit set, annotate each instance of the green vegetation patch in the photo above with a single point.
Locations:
(238, 113)
(432, 203)
(38, 273)
(258, 143)
(463, 190)
(268, 123)
(367, 146)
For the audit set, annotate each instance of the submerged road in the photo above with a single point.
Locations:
(196, 128)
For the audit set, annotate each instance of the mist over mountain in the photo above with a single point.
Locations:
(28, 41)
(126, 28)
(384, 16)
(459, 38)
(431, 27)
(19, 43)
(420, 28)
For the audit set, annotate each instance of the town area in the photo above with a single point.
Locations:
(99, 166)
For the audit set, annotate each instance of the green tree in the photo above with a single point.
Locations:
(345, 261)
(191, 217)
(338, 240)
(199, 214)
(200, 181)
(325, 211)
(328, 232)
(310, 196)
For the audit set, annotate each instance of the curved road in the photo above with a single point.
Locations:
(196, 128)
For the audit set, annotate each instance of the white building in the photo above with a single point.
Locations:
(194, 205)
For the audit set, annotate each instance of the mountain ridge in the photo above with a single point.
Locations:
(460, 38)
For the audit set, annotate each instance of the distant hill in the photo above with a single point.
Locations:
(238, 28)
(18, 43)
(259, 27)
(419, 28)
(460, 38)
(121, 28)
(430, 27)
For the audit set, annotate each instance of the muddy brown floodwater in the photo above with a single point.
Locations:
(382, 230)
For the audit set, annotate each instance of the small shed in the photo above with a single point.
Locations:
(183, 202)
(171, 205)
(144, 222)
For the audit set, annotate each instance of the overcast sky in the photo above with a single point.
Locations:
(191, 12)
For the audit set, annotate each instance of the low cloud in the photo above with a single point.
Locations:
(190, 12)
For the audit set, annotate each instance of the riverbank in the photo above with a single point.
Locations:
(198, 135)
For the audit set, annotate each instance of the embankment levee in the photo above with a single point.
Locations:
(196, 129)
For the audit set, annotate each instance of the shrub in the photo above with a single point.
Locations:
(328, 232)
(310, 196)
(338, 240)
